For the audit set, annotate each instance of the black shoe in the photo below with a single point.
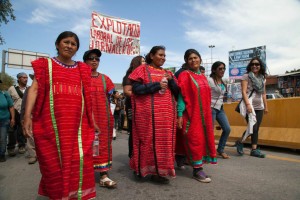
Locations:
(160, 179)
(2, 158)
(239, 147)
(180, 159)
(11, 152)
(22, 150)
(137, 176)
(114, 138)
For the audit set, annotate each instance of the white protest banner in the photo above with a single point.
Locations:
(114, 35)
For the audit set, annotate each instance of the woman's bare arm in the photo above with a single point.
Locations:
(30, 101)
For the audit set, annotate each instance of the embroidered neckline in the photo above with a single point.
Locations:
(160, 68)
(64, 65)
(194, 72)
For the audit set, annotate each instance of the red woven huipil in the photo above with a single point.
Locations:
(198, 136)
(100, 87)
(65, 156)
(153, 127)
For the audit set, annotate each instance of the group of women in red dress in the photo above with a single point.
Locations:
(164, 109)
(69, 100)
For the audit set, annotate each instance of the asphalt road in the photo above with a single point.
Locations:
(275, 177)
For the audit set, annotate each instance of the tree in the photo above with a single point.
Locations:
(6, 12)
(7, 81)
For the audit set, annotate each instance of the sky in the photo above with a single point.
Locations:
(176, 24)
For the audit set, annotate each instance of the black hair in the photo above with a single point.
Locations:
(202, 68)
(66, 34)
(135, 62)
(189, 52)
(184, 66)
(153, 52)
(213, 75)
(115, 91)
(262, 70)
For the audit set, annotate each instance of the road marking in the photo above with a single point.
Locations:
(282, 158)
(272, 156)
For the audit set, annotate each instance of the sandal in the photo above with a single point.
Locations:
(224, 155)
(107, 182)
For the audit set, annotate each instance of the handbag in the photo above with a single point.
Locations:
(237, 108)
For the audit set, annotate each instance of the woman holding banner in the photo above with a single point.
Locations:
(154, 90)
(60, 103)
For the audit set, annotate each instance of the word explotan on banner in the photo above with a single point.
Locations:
(114, 35)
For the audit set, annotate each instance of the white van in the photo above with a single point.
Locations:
(274, 96)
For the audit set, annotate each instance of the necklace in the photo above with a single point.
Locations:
(157, 68)
(63, 64)
(197, 73)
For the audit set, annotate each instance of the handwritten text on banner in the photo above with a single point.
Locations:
(114, 35)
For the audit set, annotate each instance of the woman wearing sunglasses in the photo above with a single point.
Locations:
(101, 89)
(218, 91)
(254, 98)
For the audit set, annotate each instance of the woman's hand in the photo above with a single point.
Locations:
(27, 127)
(179, 121)
(249, 108)
(96, 127)
(163, 84)
(12, 122)
(168, 76)
(266, 111)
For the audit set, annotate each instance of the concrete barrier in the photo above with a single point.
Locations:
(279, 128)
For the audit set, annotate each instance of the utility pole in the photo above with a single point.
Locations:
(3, 63)
(211, 47)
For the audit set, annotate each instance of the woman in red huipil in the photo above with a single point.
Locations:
(195, 118)
(60, 102)
(154, 118)
(101, 89)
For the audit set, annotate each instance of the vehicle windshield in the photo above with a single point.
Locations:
(277, 96)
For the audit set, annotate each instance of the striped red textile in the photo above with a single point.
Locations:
(61, 181)
(197, 135)
(153, 127)
(100, 86)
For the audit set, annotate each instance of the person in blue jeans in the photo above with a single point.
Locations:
(7, 117)
(218, 96)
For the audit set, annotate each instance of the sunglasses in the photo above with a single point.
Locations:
(256, 64)
(93, 58)
(222, 68)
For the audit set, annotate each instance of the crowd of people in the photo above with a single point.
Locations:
(67, 119)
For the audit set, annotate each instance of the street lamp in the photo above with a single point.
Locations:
(211, 47)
